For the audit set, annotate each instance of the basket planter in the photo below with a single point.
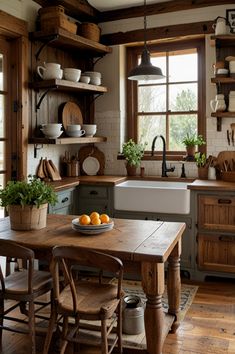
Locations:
(131, 170)
(28, 217)
(202, 172)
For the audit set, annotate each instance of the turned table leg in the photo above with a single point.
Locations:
(153, 286)
(174, 285)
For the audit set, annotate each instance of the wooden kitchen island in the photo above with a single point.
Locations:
(141, 245)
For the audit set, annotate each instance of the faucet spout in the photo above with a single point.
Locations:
(164, 166)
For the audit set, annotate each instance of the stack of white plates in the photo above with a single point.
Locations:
(91, 229)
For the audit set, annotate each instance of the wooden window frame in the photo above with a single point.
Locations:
(15, 31)
(132, 106)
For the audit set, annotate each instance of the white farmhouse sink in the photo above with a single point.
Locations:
(152, 196)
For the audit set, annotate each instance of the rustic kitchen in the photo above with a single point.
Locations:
(126, 111)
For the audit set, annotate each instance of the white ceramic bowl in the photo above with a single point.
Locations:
(51, 135)
(72, 74)
(85, 79)
(90, 129)
(51, 128)
(95, 81)
(73, 127)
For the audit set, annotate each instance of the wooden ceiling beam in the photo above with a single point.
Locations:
(160, 8)
(153, 34)
(78, 9)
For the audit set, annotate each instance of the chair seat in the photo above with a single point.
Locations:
(17, 283)
(102, 304)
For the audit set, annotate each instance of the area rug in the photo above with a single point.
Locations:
(134, 287)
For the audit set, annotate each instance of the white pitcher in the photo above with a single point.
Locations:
(50, 71)
(220, 26)
(218, 104)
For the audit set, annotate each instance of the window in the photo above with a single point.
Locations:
(174, 105)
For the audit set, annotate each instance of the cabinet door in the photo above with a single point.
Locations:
(216, 213)
(216, 252)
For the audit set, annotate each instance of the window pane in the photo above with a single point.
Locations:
(182, 67)
(2, 133)
(179, 126)
(1, 72)
(183, 97)
(2, 152)
(149, 127)
(152, 98)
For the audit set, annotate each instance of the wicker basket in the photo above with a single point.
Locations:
(228, 176)
(29, 217)
(53, 17)
(90, 31)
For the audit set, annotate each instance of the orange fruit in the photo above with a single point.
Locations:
(84, 219)
(94, 214)
(104, 218)
(95, 221)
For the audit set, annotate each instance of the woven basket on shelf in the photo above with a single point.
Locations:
(90, 31)
(53, 17)
(228, 176)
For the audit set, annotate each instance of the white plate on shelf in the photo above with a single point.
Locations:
(91, 166)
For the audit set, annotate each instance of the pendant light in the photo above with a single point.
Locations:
(145, 70)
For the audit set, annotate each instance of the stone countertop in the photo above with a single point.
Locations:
(212, 185)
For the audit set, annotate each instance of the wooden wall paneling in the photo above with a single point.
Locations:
(12, 26)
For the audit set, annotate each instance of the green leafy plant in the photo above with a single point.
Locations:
(31, 192)
(200, 159)
(133, 152)
(193, 140)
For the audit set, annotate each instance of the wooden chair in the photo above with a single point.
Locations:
(85, 298)
(22, 286)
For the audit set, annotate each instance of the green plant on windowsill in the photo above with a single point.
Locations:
(133, 152)
(190, 142)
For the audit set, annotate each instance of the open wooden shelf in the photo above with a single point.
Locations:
(224, 40)
(65, 85)
(223, 80)
(62, 38)
(68, 140)
(223, 114)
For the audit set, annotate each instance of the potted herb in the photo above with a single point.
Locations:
(133, 152)
(27, 202)
(201, 162)
(190, 142)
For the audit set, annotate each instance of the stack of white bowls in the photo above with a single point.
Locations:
(95, 77)
(52, 130)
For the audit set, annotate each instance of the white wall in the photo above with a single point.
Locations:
(110, 108)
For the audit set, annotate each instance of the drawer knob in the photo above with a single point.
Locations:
(224, 201)
(64, 200)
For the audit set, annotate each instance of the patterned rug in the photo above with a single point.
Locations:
(134, 287)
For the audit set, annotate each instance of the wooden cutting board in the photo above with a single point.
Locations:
(71, 114)
(225, 155)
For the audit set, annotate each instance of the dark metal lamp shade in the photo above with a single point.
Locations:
(145, 70)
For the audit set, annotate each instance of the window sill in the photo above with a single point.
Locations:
(158, 157)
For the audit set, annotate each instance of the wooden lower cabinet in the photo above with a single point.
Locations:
(64, 204)
(216, 233)
(216, 252)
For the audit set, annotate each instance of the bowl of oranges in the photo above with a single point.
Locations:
(93, 223)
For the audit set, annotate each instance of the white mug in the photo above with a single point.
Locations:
(218, 105)
(73, 127)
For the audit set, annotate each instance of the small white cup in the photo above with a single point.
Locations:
(90, 129)
(232, 66)
(75, 133)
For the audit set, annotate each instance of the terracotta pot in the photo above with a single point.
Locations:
(190, 150)
(28, 217)
(203, 172)
(131, 170)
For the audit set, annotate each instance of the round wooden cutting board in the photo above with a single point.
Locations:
(71, 114)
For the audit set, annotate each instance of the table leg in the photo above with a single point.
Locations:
(153, 285)
(174, 285)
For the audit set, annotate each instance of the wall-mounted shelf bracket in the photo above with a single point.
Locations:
(42, 97)
(46, 40)
(96, 61)
(36, 148)
(219, 124)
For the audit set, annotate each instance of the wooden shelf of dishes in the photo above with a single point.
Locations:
(65, 85)
(67, 140)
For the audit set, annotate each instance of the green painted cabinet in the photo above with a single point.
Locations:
(64, 204)
(90, 198)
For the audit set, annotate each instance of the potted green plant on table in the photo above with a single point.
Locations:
(190, 142)
(133, 152)
(27, 203)
(201, 162)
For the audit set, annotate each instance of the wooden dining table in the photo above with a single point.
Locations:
(143, 245)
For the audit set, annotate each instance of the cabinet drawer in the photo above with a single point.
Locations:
(216, 213)
(65, 200)
(93, 192)
(216, 252)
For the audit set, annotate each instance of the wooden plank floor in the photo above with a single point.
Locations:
(208, 328)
